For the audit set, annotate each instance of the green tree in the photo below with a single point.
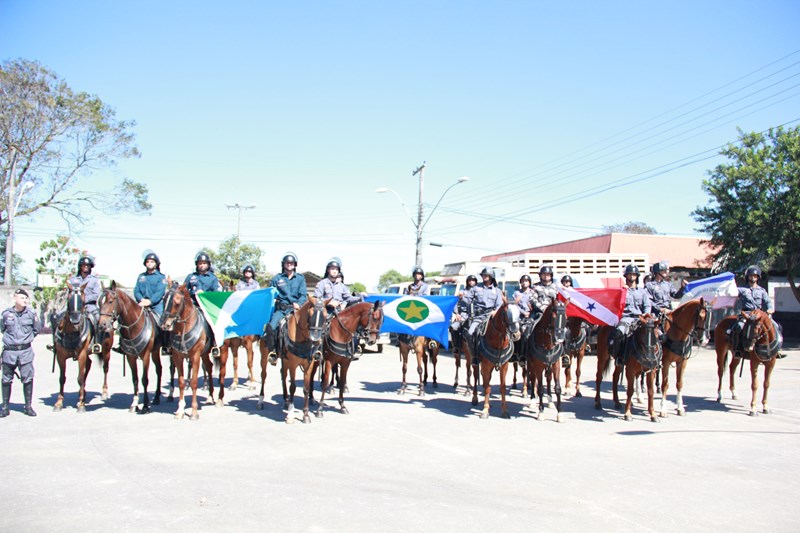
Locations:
(16, 277)
(753, 216)
(636, 227)
(358, 287)
(390, 277)
(58, 260)
(231, 258)
(54, 137)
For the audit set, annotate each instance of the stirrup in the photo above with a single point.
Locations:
(780, 355)
(97, 348)
(273, 358)
(565, 361)
(215, 351)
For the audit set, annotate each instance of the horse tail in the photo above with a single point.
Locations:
(607, 368)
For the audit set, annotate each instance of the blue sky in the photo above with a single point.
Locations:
(305, 108)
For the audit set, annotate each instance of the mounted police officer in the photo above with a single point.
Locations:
(19, 325)
(566, 281)
(248, 281)
(661, 291)
(291, 294)
(751, 297)
(418, 287)
(461, 313)
(481, 301)
(91, 293)
(151, 285)
(544, 292)
(523, 298)
(331, 288)
(203, 279)
(637, 303)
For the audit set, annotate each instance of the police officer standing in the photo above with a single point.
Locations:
(91, 293)
(661, 291)
(637, 303)
(203, 280)
(19, 326)
(418, 287)
(291, 293)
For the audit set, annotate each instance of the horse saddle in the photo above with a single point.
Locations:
(185, 342)
(137, 344)
(74, 339)
(283, 344)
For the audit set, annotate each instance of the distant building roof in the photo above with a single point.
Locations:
(677, 251)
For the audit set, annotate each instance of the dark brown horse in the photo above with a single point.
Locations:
(232, 346)
(643, 355)
(424, 348)
(357, 320)
(495, 346)
(456, 340)
(190, 340)
(139, 338)
(761, 342)
(301, 347)
(545, 348)
(72, 338)
(684, 326)
(575, 346)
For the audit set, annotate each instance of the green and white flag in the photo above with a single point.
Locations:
(237, 314)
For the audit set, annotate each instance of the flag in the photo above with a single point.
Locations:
(597, 306)
(719, 290)
(236, 314)
(426, 316)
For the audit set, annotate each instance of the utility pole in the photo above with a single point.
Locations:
(418, 258)
(240, 208)
(11, 212)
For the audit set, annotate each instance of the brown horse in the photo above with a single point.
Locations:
(363, 319)
(232, 345)
(72, 338)
(423, 348)
(604, 362)
(761, 342)
(575, 345)
(300, 348)
(684, 326)
(139, 338)
(546, 345)
(643, 355)
(456, 340)
(494, 347)
(190, 340)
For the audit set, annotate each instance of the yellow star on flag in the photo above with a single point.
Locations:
(412, 311)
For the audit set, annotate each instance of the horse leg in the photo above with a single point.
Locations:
(84, 364)
(768, 366)
(680, 369)
(308, 383)
(631, 375)
(422, 362)
(326, 375)
(515, 365)
(638, 387)
(135, 378)
(250, 354)
(343, 376)
(145, 382)
(434, 360)
(540, 391)
(475, 384)
(667, 362)
(601, 365)
(235, 356)
(62, 380)
(194, 381)
(503, 405)
(106, 355)
(486, 374)
(651, 390)
(753, 384)
(172, 370)
(292, 388)
(615, 379)
(223, 370)
(568, 376)
(549, 374)
(287, 375)
(732, 377)
(177, 366)
(260, 404)
(457, 357)
(404, 361)
(578, 361)
(557, 374)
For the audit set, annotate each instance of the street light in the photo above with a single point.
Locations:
(419, 224)
(12, 213)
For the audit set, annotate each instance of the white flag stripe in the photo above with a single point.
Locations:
(581, 300)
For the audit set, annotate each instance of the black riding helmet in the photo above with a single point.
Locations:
(202, 256)
(154, 257)
(632, 269)
(524, 277)
(250, 268)
(661, 266)
(472, 277)
(85, 260)
(752, 269)
(489, 272)
(333, 262)
(418, 269)
(566, 277)
(546, 269)
(289, 257)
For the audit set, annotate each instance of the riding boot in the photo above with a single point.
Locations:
(736, 342)
(270, 340)
(27, 389)
(4, 411)
(165, 343)
(615, 347)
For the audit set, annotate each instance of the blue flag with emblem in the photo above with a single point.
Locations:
(425, 316)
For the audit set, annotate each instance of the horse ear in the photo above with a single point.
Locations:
(113, 285)
(84, 286)
(328, 301)
(377, 305)
(169, 281)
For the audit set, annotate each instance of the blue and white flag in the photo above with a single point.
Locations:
(719, 290)
(237, 314)
(425, 316)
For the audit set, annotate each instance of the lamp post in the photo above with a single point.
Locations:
(239, 226)
(12, 213)
(419, 224)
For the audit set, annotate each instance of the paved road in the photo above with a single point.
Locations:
(401, 463)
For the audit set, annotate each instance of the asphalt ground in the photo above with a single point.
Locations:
(401, 462)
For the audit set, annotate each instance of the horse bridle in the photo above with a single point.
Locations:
(704, 329)
(650, 344)
(176, 316)
(115, 315)
(75, 300)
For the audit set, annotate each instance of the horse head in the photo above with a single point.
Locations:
(317, 316)
(75, 303)
(513, 319)
(174, 303)
(646, 332)
(374, 322)
(757, 326)
(108, 303)
(553, 324)
(702, 323)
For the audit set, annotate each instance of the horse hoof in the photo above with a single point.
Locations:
(318, 414)
(435, 385)
(170, 399)
(104, 396)
(156, 400)
(421, 393)
(178, 416)
(719, 398)
(767, 411)
(578, 394)
(617, 405)
(133, 409)
(628, 417)
(306, 419)
(663, 414)
(219, 403)
(344, 410)
(560, 418)
(734, 397)
(681, 412)
(57, 408)
(551, 405)
(195, 416)
(290, 419)
(540, 416)
(505, 415)
(233, 386)
(252, 386)
(597, 406)
(753, 413)
(260, 406)
(474, 401)
(143, 411)
(81, 408)
(484, 415)
(654, 418)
